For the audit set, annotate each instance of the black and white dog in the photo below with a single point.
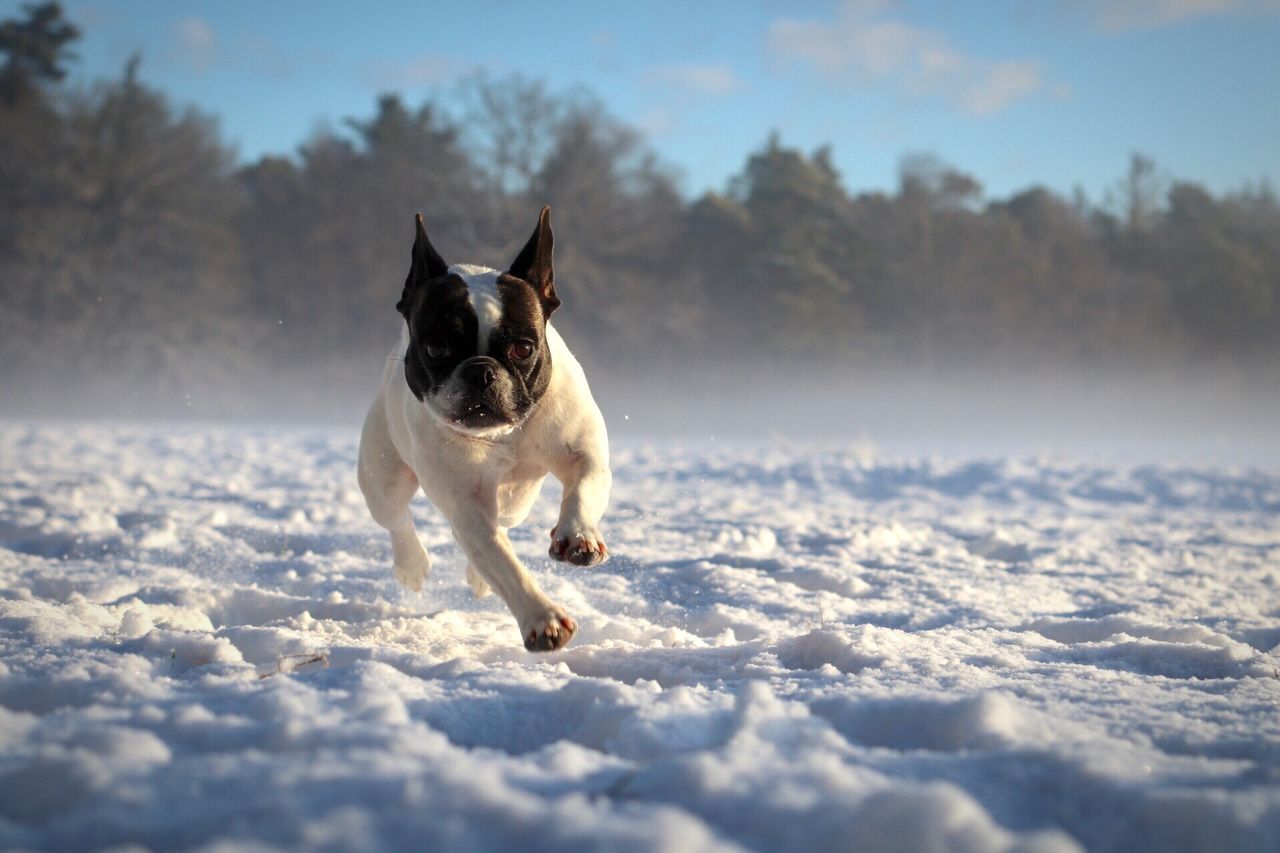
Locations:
(479, 401)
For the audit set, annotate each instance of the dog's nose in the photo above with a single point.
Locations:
(480, 374)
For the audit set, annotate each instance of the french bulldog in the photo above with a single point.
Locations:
(479, 401)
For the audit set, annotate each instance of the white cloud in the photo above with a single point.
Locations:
(658, 122)
(715, 79)
(862, 47)
(1001, 84)
(412, 73)
(197, 43)
(1113, 16)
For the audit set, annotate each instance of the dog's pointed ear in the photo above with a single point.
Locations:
(426, 265)
(533, 264)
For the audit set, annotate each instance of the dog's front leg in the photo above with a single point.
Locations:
(576, 536)
(544, 625)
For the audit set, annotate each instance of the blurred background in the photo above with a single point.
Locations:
(1010, 225)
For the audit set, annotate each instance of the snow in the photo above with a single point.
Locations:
(793, 647)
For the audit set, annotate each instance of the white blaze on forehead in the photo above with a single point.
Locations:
(482, 286)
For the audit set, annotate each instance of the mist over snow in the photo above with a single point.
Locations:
(793, 647)
(1194, 417)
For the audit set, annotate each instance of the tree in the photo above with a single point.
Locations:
(35, 51)
(510, 126)
(1225, 284)
(327, 238)
(929, 181)
(1138, 194)
(31, 128)
(126, 261)
(804, 262)
(616, 213)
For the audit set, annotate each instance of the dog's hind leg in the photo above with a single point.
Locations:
(389, 485)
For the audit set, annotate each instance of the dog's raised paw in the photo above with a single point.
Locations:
(551, 630)
(585, 548)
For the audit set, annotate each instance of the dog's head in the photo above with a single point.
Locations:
(478, 356)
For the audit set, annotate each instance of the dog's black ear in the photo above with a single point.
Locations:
(533, 264)
(426, 265)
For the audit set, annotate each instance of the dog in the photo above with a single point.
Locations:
(479, 401)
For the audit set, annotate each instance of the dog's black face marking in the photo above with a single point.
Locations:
(478, 354)
(442, 333)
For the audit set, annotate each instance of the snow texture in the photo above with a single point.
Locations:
(792, 648)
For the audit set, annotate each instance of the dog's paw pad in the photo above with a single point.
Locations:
(583, 549)
(550, 631)
(412, 575)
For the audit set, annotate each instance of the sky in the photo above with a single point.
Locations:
(1013, 92)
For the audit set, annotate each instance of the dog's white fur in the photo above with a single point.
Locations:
(485, 484)
(482, 287)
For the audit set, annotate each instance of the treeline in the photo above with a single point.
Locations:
(133, 242)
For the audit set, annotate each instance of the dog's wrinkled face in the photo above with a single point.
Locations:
(478, 356)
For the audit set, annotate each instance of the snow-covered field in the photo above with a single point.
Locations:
(792, 648)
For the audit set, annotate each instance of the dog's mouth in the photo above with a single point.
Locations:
(481, 415)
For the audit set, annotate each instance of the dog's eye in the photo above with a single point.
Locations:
(520, 350)
(437, 349)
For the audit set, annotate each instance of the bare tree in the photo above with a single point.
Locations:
(1138, 194)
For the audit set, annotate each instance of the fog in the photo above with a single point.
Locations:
(1194, 417)
(1173, 418)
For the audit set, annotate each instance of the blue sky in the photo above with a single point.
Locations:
(1014, 92)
